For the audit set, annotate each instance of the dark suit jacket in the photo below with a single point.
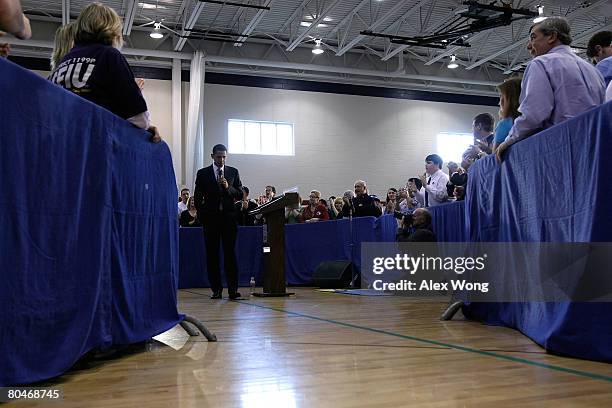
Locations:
(363, 206)
(208, 195)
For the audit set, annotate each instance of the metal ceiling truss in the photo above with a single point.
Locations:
(188, 22)
(320, 14)
(275, 37)
(570, 16)
(237, 4)
(248, 30)
(476, 18)
(373, 26)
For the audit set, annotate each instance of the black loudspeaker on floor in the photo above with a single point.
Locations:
(333, 274)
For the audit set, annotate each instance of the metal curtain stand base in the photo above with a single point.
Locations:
(450, 311)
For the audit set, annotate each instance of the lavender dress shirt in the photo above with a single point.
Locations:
(556, 87)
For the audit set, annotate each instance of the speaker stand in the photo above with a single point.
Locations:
(354, 273)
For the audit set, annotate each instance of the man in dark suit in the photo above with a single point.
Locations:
(217, 188)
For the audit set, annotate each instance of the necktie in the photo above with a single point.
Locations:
(427, 194)
(219, 175)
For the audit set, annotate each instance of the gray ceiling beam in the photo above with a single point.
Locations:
(188, 24)
(372, 27)
(130, 13)
(65, 12)
(343, 70)
(297, 12)
(348, 17)
(440, 23)
(252, 24)
(126, 51)
(320, 16)
(397, 83)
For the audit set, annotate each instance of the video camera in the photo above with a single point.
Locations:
(407, 219)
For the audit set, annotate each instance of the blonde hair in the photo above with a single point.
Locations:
(338, 200)
(64, 41)
(317, 193)
(98, 23)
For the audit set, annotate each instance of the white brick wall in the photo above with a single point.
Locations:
(338, 138)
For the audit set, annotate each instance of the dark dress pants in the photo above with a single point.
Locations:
(221, 228)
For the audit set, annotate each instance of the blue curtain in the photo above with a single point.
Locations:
(89, 237)
(552, 187)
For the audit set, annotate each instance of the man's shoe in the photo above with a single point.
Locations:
(216, 295)
(235, 296)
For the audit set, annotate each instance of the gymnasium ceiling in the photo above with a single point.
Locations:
(278, 42)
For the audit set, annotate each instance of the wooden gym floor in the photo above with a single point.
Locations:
(331, 350)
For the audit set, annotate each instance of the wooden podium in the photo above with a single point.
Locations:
(274, 244)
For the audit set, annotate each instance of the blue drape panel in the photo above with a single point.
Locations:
(448, 221)
(386, 228)
(552, 187)
(306, 246)
(89, 241)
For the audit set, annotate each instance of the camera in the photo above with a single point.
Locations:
(406, 218)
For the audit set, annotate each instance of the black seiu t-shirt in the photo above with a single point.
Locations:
(100, 74)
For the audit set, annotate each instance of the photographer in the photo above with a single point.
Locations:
(416, 227)
(243, 207)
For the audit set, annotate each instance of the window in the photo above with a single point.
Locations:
(265, 138)
(452, 145)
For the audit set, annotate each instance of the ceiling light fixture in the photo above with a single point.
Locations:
(156, 33)
(149, 6)
(453, 62)
(317, 49)
(540, 16)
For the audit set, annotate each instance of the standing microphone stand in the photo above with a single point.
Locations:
(354, 274)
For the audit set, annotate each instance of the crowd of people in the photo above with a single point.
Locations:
(557, 85)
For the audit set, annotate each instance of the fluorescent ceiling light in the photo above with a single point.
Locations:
(149, 6)
(326, 19)
(308, 24)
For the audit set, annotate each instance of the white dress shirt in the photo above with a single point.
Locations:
(435, 188)
(217, 171)
(181, 207)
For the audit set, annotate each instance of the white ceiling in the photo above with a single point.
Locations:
(281, 39)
